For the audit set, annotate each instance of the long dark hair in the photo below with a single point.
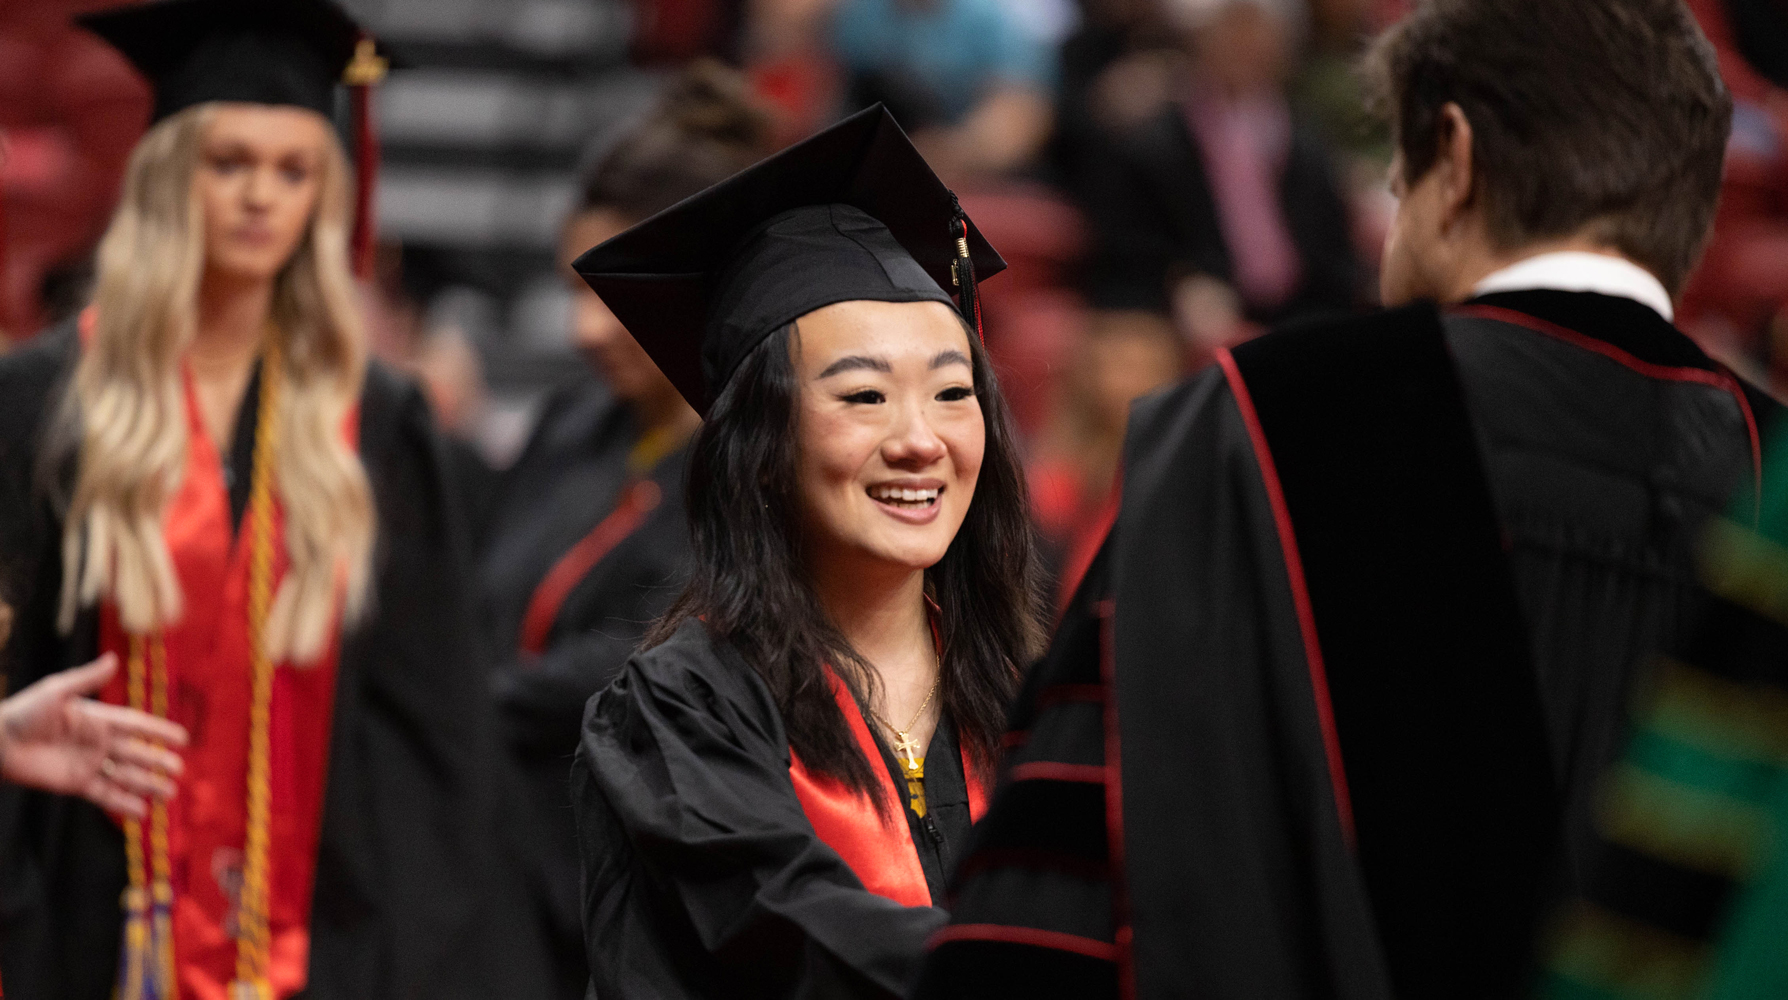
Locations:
(750, 587)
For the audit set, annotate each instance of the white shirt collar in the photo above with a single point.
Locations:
(1577, 271)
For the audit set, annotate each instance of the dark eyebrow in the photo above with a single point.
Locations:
(949, 358)
(855, 362)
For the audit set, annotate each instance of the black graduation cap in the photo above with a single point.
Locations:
(264, 51)
(851, 213)
(291, 52)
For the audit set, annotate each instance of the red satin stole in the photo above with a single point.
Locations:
(881, 854)
(209, 693)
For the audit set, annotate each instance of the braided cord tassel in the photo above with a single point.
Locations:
(254, 941)
(161, 887)
(146, 962)
(133, 958)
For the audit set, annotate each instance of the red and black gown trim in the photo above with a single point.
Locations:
(1369, 483)
(1052, 842)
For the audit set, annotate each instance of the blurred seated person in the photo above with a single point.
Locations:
(1213, 199)
(587, 542)
(1109, 32)
(964, 79)
(1119, 357)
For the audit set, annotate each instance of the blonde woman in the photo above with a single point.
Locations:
(204, 478)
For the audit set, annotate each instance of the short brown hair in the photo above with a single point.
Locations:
(705, 128)
(1584, 113)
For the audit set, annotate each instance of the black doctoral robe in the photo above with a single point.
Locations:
(703, 877)
(567, 481)
(401, 875)
(1326, 716)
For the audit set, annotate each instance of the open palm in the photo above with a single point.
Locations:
(54, 738)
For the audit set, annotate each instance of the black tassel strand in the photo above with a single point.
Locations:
(962, 271)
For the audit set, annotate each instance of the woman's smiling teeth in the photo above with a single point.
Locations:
(899, 496)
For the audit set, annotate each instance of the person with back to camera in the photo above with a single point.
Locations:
(1328, 715)
(770, 795)
(589, 542)
(204, 477)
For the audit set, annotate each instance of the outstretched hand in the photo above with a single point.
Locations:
(54, 739)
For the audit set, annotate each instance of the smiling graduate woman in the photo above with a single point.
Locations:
(771, 794)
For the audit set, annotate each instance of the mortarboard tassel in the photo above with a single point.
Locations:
(361, 76)
(962, 270)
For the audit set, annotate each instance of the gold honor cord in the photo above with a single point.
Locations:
(161, 899)
(253, 941)
(147, 960)
(148, 953)
(136, 980)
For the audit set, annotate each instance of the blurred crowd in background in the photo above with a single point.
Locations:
(1165, 177)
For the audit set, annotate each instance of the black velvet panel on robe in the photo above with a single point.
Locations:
(702, 876)
(402, 874)
(1238, 880)
(567, 480)
(1423, 651)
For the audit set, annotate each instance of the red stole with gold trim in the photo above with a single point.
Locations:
(881, 854)
(209, 693)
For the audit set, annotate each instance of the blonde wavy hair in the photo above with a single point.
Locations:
(126, 405)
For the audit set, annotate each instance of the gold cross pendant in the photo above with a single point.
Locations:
(908, 748)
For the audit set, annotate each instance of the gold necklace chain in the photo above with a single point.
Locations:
(905, 745)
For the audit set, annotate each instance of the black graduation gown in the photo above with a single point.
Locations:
(401, 875)
(1326, 723)
(703, 877)
(1154, 219)
(566, 482)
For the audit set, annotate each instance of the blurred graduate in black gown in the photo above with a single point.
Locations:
(770, 795)
(588, 541)
(1327, 715)
(1221, 202)
(204, 476)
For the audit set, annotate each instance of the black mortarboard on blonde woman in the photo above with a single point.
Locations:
(292, 53)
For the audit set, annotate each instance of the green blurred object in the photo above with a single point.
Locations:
(1688, 896)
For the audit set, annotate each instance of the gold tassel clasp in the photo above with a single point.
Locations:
(367, 68)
